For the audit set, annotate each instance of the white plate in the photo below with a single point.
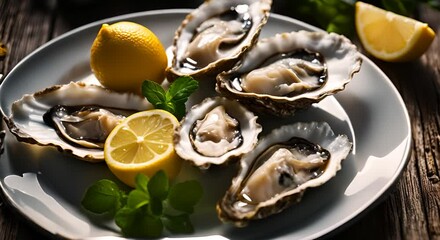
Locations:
(47, 186)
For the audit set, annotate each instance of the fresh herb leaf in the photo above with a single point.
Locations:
(181, 89)
(125, 217)
(158, 185)
(141, 182)
(331, 15)
(156, 207)
(135, 223)
(154, 93)
(103, 196)
(185, 195)
(178, 224)
(144, 211)
(434, 4)
(137, 199)
(173, 100)
(402, 7)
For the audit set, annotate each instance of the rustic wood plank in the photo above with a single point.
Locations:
(19, 32)
(418, 194)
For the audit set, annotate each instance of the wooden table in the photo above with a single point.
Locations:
(411, 210)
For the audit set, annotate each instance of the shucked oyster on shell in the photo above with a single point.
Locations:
(282, 166)
(213, 37)
(74, 117)
(290, 71)
(216, 131)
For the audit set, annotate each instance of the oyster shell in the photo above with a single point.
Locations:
(87, 126)
(2, 140)
(290, 71)
(27, 124)
(282, 166)
(212, 37)
(216, 131)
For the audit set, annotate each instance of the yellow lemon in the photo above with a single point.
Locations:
(125, 54)
(389, 36)
(142, 143)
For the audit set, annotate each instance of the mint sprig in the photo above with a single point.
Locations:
(172, 100)
(147, 209)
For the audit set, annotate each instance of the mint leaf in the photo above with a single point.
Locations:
(180, 110)
(326, 14)
(154, 93)
(402, 7)
(181, 89)
(137, 199)
(156, 207)
(141, 182)
(178, 224)
(172, 100)
(103, 196)
(183, 196)
(135, 223)
(158, 185)
(145, 210)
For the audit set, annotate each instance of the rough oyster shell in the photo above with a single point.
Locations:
(248, 129)
(341, 61)
(26, 119)
(2, 140)
(221, 52)
(235, 207)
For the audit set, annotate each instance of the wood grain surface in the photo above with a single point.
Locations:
(411, 209)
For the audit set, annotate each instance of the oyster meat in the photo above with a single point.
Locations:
(216, 131)
(213, 37)
(282, 166)
(86, 126)
(290, 71)
(75, 117)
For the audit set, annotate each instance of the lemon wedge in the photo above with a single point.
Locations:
(142, 143)
(389, 36)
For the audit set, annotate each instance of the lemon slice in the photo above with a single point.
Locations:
(142, 143)
(389, 36)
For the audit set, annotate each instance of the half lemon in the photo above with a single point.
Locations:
(142, 143)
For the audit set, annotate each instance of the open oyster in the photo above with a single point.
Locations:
(290, 71)
(76, 117)
(282, 166)
(213, 36)
(216, 131)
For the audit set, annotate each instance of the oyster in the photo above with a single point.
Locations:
(75, 117)
(282, 166)
(87, 126)
(216, 131)
(290, 71)
(212, 37)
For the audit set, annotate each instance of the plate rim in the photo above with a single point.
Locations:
(336, 227)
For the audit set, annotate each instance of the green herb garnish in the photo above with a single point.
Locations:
(145, 211)
(173, 100)
(338, 15)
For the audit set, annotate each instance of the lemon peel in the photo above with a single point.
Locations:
(124, 54)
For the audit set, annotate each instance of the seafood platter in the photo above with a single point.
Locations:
(272, 89)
